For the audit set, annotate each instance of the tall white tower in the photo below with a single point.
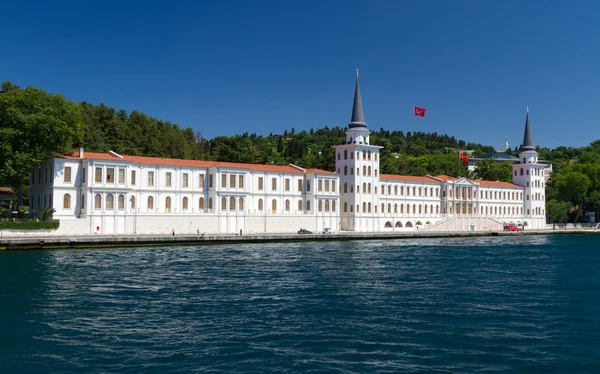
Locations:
(357, 161)
(529, 174)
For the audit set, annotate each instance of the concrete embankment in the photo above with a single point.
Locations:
(99, 241)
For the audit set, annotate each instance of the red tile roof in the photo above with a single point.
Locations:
(410, 178)
(7, 190)
(192, 163)
(496, 183)
(446, 178)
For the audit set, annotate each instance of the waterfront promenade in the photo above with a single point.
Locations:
(96, 241)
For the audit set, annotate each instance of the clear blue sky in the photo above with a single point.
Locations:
(227, 67)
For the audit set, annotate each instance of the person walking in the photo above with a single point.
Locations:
(173, 232)
(240, 232)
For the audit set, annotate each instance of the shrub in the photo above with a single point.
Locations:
(28, 225)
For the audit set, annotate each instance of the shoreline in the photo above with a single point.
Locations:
(112, 241)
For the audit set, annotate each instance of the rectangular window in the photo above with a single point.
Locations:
(133, 177)
(320, 185)
(150, 178)
(334, 190)
(287, 184)
(110, 175)
(307, 186)
(168, 179)
(67, 174)
(83, 175)
(121, 176)
(241, 184)
(300, 185)
(223, 180)
(232, 181)
(273, 184)
(201, 181)
(185, 179)
(327, 186)
(99, 175)
(260, 183)
(210, 183)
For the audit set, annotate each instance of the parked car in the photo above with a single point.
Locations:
(512, 227)
(304, 231)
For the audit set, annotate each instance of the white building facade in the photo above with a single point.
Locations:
(108, 193)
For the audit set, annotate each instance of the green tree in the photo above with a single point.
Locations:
(46, 213)
(573, 186)
(557, 210)
(492, 171)
(34, 125)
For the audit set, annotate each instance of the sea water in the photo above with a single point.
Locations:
(464, 305)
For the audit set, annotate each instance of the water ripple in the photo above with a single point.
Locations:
(524, 304)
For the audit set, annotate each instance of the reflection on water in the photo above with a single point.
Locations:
(519, 303)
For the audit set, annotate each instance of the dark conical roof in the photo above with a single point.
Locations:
(358, 117)
(527, 140)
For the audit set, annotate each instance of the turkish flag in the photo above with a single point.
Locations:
(463, 158)
(420, 112)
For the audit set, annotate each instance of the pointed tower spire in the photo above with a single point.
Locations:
(358, 117)
(527, 140)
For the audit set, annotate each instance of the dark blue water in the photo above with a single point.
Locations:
(516, 304)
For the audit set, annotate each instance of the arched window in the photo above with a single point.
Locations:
(345, 170)
(345, 207)
(121, 202)
(345, 187)
(241, 204)
(260, 204)
(223, 203)
(389, 208)
(210, 203)
(333, 206)
(184, 203)
(364, 207)
(369, 207)
(110, 202)
(364, 188)
(320, 205)
(201, 203)
(395, 190)
(414, 208)
(345, 158)
(369, 187)
(308, 205)
(232, 203)
(420, 208)
(425, 207)
(82, 201)
(395, 208)
(67, 201)
(97, 201)
(369, 174)
(437, 209)
(299, 205)
(327, 205)
(168, 204)
(274, 205)
(522, 169)
(364, 170)
(150, 202)
(287, 205)
(132, 202)
(402, 208)
(382, 208)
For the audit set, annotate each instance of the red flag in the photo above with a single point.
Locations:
(463, 158)
(419, 112)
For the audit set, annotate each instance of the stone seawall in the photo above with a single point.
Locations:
(98, 241)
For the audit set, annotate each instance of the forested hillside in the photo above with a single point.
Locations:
(35, 125)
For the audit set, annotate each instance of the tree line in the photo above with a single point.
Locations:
(35, 125)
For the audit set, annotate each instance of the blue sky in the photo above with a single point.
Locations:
(264, 66)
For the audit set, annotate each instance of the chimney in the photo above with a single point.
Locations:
(80, 152)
